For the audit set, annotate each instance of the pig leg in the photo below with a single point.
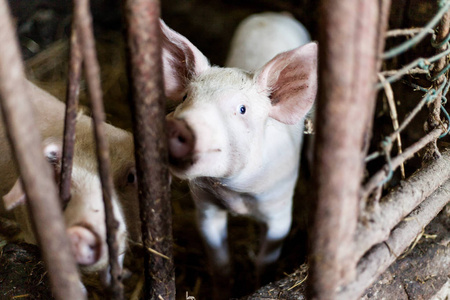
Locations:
(212, 224)
(273, 232)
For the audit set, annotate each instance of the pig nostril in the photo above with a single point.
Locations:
(181, 139)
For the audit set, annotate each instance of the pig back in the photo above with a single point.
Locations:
(262, 36)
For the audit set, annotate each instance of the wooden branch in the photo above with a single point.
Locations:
(410, 32)
(35, 172)
(394, 117)
(383, 23)
(400, 202)
(409, 152)
(72, 99)
(83, 21)
(434, 118)
(347, 58)
(377, 260)
(145, 69)
(412, 71)
(383, 255)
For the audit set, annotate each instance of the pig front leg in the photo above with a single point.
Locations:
(212, 224)
(274, 230)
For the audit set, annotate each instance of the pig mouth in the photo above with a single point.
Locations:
(180, 165)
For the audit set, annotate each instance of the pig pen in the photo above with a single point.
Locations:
(43, 31)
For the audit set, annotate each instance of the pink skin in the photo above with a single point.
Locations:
(181, 140)
(86, 245)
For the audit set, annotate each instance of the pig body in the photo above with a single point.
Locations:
(84, 214)
(237, 133)
(262, 36)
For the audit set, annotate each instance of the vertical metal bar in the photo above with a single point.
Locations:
(347, 59)
(83, 21)
(145, 67)
(35, 172)
(72, 97)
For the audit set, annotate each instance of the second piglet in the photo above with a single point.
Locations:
(236, 134)
(84, 214)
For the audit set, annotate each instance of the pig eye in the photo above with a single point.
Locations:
(131, 177)
(52, 157)
(242, 109)
(52, 153)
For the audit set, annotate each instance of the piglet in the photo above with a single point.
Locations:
(237, 131)
(84, 213)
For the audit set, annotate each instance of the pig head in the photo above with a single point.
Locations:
(84, 214)
(236, 137)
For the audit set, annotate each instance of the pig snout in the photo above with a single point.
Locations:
(181, 142)
(86, 245)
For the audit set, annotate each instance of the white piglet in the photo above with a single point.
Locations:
(84, 214)
(237, 131)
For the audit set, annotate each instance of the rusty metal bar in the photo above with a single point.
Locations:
(145, 68)
(35, 172)
(83, 21)
(72, 99)
(347, 60)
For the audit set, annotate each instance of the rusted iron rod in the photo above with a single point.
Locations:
(35, 172)
(83, 21)
(72, 97)
(347, 64)
(145, 68)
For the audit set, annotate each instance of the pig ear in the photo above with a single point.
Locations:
(290, 79)
(181, 62)
(16, 196)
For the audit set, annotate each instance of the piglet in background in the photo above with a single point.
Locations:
(84, 214)
(237, 131)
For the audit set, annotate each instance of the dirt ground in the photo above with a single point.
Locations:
(43, 31)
